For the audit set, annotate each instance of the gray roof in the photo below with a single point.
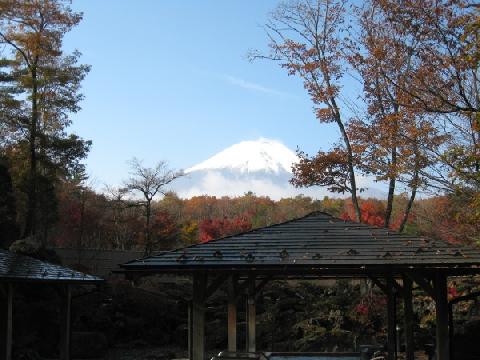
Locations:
(315, 244)
(15, 267)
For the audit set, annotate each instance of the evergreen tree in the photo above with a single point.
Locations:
(45, 84)
(8, 226)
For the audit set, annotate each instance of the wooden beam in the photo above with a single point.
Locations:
(65, 321)
(391, 323)
(232, 313)
(251, 317)
(198, 312)
(471, 296)
(408, 314)
(379, 284)
(398, 288)
(441, 310)
(424, 283)
(215, 284)
(262, 284)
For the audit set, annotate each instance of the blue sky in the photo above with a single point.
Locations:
(170, 81)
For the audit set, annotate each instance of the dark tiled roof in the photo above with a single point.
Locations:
(15, 267)
(315, 242)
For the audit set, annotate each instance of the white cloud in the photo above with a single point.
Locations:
(215, 183)
(248, 85)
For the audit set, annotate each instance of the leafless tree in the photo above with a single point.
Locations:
(149, 183)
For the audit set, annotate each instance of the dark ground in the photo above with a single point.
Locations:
(148, 320)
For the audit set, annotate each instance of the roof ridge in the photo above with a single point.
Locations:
(312, 213)
(8, 256)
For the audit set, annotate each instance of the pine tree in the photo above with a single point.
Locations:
(46, 87)
(8, 226)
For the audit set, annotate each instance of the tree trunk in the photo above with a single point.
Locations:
(391, 190)
(30, 221)
(148, 245)
(82, 218)
(351, 168)
(410, 202)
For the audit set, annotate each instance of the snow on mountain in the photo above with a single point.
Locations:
(262, 155)
(262, 166)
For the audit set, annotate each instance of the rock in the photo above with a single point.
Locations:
(28, 246)
(31, 246)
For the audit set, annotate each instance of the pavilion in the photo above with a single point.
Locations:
(316, 246)
(16, 269)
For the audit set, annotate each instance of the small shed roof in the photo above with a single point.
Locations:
(315, 244)
(16, 267)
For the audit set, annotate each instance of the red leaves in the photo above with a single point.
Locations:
(372, 212)
(217, 228)
(361, 309)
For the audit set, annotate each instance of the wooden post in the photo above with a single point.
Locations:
(408, 312)
(198, 312)
(190, 330)
(451, 329)
(251, 317)
(441, 309)
(232, 314)
(7, 323)
(391, 331)
(66, 321)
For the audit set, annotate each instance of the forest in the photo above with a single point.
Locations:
(415, 127)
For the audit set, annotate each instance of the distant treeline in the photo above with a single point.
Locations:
(90, 220)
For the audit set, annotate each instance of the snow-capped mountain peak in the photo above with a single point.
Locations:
(262, 155)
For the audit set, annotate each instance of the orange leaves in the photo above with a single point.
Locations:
(324, 115)
(328, 169)
(372, 212)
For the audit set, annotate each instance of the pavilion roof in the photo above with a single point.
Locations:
(317, 243)
(16, 267)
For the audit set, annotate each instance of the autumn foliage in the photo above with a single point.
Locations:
(373, 212)
(217, 228)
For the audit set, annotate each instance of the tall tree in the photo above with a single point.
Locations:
(8, 225)
(149, 183)
(441, 38)
(306, 39)
(47, 82)
(387, 138)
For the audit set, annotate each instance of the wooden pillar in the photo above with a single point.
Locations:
(391, 323)
(6, 322)
(441, 309)
(451, 330)
(66, 323)
(198, 313)
(408, 313)
(232, 314)
(190, 329)
(251, 317)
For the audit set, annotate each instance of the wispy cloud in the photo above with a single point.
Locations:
(217, 183)
(252, 86)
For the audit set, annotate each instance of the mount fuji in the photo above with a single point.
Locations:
(262, 166)
(247, 157)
